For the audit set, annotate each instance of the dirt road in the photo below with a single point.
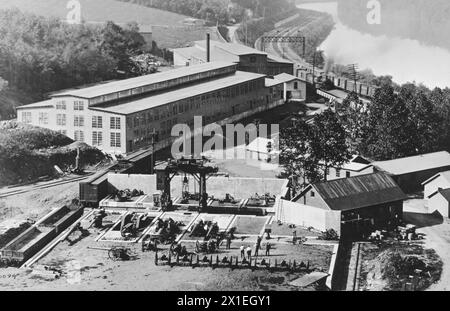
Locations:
(437, 231)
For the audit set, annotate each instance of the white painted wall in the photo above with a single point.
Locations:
(307, 216)
(70, 128)
(440, 204)
(343, 173)
(433, 186)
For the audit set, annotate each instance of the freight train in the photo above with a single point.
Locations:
(95, 189)
(346, 84)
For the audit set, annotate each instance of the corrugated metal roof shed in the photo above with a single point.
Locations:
(359, 191)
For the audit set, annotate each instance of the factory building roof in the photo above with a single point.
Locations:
(232, 48)
(280, 79)
(127, 84)
(415, 164)
(42, 104)
(200, 54)
(357, 192)
(132, 106)
(229, 52)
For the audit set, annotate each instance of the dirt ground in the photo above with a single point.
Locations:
(388, 266)
(86, 268)
(35, 204)
(436, 231)
(437, 237)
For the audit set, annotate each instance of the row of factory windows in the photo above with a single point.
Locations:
(78, 121)
(97, 138)
(97, 121)
(77, 105)
(191, 104)
(144, 134)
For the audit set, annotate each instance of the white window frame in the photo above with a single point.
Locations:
(27, 117)
(115, 140)
(78, 105)
(61, 119)
(115, 123)
(97, 138)
(78, 121)
(97, 122)
(79, 136)
(61, 105)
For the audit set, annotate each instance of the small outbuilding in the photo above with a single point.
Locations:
(411, 172)
(355, 167)
(353, 207)
(440, 201)
(431, 185)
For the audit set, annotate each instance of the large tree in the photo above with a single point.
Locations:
(299, 164)
(328, 141)
(352, 114)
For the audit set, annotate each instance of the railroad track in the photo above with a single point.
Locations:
(43, 186)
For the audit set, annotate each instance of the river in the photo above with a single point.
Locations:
(406, 60)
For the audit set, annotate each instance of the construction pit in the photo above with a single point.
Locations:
(82, 261)
(83, 257)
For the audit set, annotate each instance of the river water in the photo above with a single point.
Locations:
(405, 60)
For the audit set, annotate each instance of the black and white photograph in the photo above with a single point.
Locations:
(204, 147)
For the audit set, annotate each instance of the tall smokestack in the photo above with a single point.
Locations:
(208, 47)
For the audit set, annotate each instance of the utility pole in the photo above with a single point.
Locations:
(314, 70)
(352, 69)
(152, 157)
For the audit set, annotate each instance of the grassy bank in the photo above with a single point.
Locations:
(28, 152)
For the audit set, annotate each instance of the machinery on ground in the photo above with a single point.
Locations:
(207, 247)
(134, 223)
(166, 231)
(197, 167)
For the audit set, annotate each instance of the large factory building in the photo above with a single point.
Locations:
(246, 58)
(119, 117)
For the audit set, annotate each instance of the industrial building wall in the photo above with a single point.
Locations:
(440, 204)
(62, 119)
(333, 173)
(213, 107)
(433, 186)
(412, 182)
(307, 216)
(239, 188)
(298, 93)
(146, 183)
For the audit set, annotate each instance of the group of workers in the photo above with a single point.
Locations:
(246, 252)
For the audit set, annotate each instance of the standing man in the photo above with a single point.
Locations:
(228, 241)
(257, 246)
(258, 241)
(268, 246)
(249, 252)
(242, 251)
(294, 236)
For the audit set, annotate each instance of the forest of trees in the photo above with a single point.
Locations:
(40, 55)
(219, 11)
(400, 121)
